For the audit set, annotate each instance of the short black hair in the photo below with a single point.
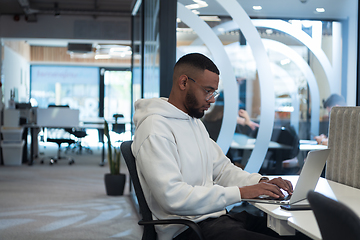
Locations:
(198, 61)
(334, 100)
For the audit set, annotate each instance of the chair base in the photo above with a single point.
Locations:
(59, 141)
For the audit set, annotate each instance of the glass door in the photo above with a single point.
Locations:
(117, 100)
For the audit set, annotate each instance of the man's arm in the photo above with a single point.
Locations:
(250, 185)
(162, 180)
(267, 187)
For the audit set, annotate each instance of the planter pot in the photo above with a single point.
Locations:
(114, 184)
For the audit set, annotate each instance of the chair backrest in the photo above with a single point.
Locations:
(343, 164)
(286, 135)
(335, 220)
(149, 230)
(118, 127)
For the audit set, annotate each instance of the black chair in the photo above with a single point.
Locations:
(285, 135)
(118, 127)
(79, 134)
(336, 221)
(59, 141)
(147, 220)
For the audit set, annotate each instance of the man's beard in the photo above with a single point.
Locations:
(191, 103)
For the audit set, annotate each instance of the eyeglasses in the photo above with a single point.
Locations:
(209, 93)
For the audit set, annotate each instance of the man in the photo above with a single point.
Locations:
(333, 100)
(184, 174)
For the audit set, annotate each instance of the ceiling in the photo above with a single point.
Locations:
(67, 7)
(293, 9)
(289, 9)
(31, 9)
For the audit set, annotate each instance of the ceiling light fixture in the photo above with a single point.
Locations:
(320, 10)
(105, 56)
(285, 61)
(195, 12)
(257, 8)
(210, 18)
(269, 31)
(198, 4)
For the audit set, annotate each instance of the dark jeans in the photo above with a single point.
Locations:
(239, 226)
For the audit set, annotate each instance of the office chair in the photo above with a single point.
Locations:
(59, 141)
(118, 127)
(336, 221)
(147, 220)
(285, 135)
(343, 163)
(79, 134)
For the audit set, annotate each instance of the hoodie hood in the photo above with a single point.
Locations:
(156, 106)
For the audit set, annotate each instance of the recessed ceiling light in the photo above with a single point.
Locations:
(320, 10)
(198, 4)
(105, 56)
(269, 31)
(285, 61)
(257, 8)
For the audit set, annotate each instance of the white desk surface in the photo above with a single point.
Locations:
(310, 145)
(249, 144)
(304, 221)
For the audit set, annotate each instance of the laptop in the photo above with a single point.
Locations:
(307, 180)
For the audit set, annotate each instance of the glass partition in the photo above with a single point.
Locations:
(282, 70)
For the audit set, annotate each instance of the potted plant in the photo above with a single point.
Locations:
(114, 181)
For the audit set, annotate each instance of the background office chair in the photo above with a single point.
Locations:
(285, 135)
(118, 127)
(343, 163)
(79, 134)
(147, 220)
(59, 140)
(336, 221)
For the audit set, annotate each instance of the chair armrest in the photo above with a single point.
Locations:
(188, 223)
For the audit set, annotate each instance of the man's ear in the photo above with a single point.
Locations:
(182, 82)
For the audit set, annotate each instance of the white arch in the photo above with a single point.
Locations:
(298, 60)
(292, 89)
(286, 27)
(266, 82)
(305, 39)
(309, 75)
(227, 74)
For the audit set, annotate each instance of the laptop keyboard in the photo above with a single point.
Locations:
(286, 197)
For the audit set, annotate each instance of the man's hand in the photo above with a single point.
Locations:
(321, 140)
(244, 119)
(271, 188)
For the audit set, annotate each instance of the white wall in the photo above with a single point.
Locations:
(16, 74)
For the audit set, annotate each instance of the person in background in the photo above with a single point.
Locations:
(244, 120)
(183, 172)
(213, 119)
(333, 100)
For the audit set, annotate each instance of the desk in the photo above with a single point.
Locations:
(32, 128)
(243, 142)
(286, 222)
(310, 145)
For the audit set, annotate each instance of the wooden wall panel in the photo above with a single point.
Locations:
(21, 47)
(60, 55)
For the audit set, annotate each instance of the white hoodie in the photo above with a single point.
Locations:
(184, 174)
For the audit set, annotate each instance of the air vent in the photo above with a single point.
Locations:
(80, 47)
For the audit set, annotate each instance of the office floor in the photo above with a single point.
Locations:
(63, 201)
